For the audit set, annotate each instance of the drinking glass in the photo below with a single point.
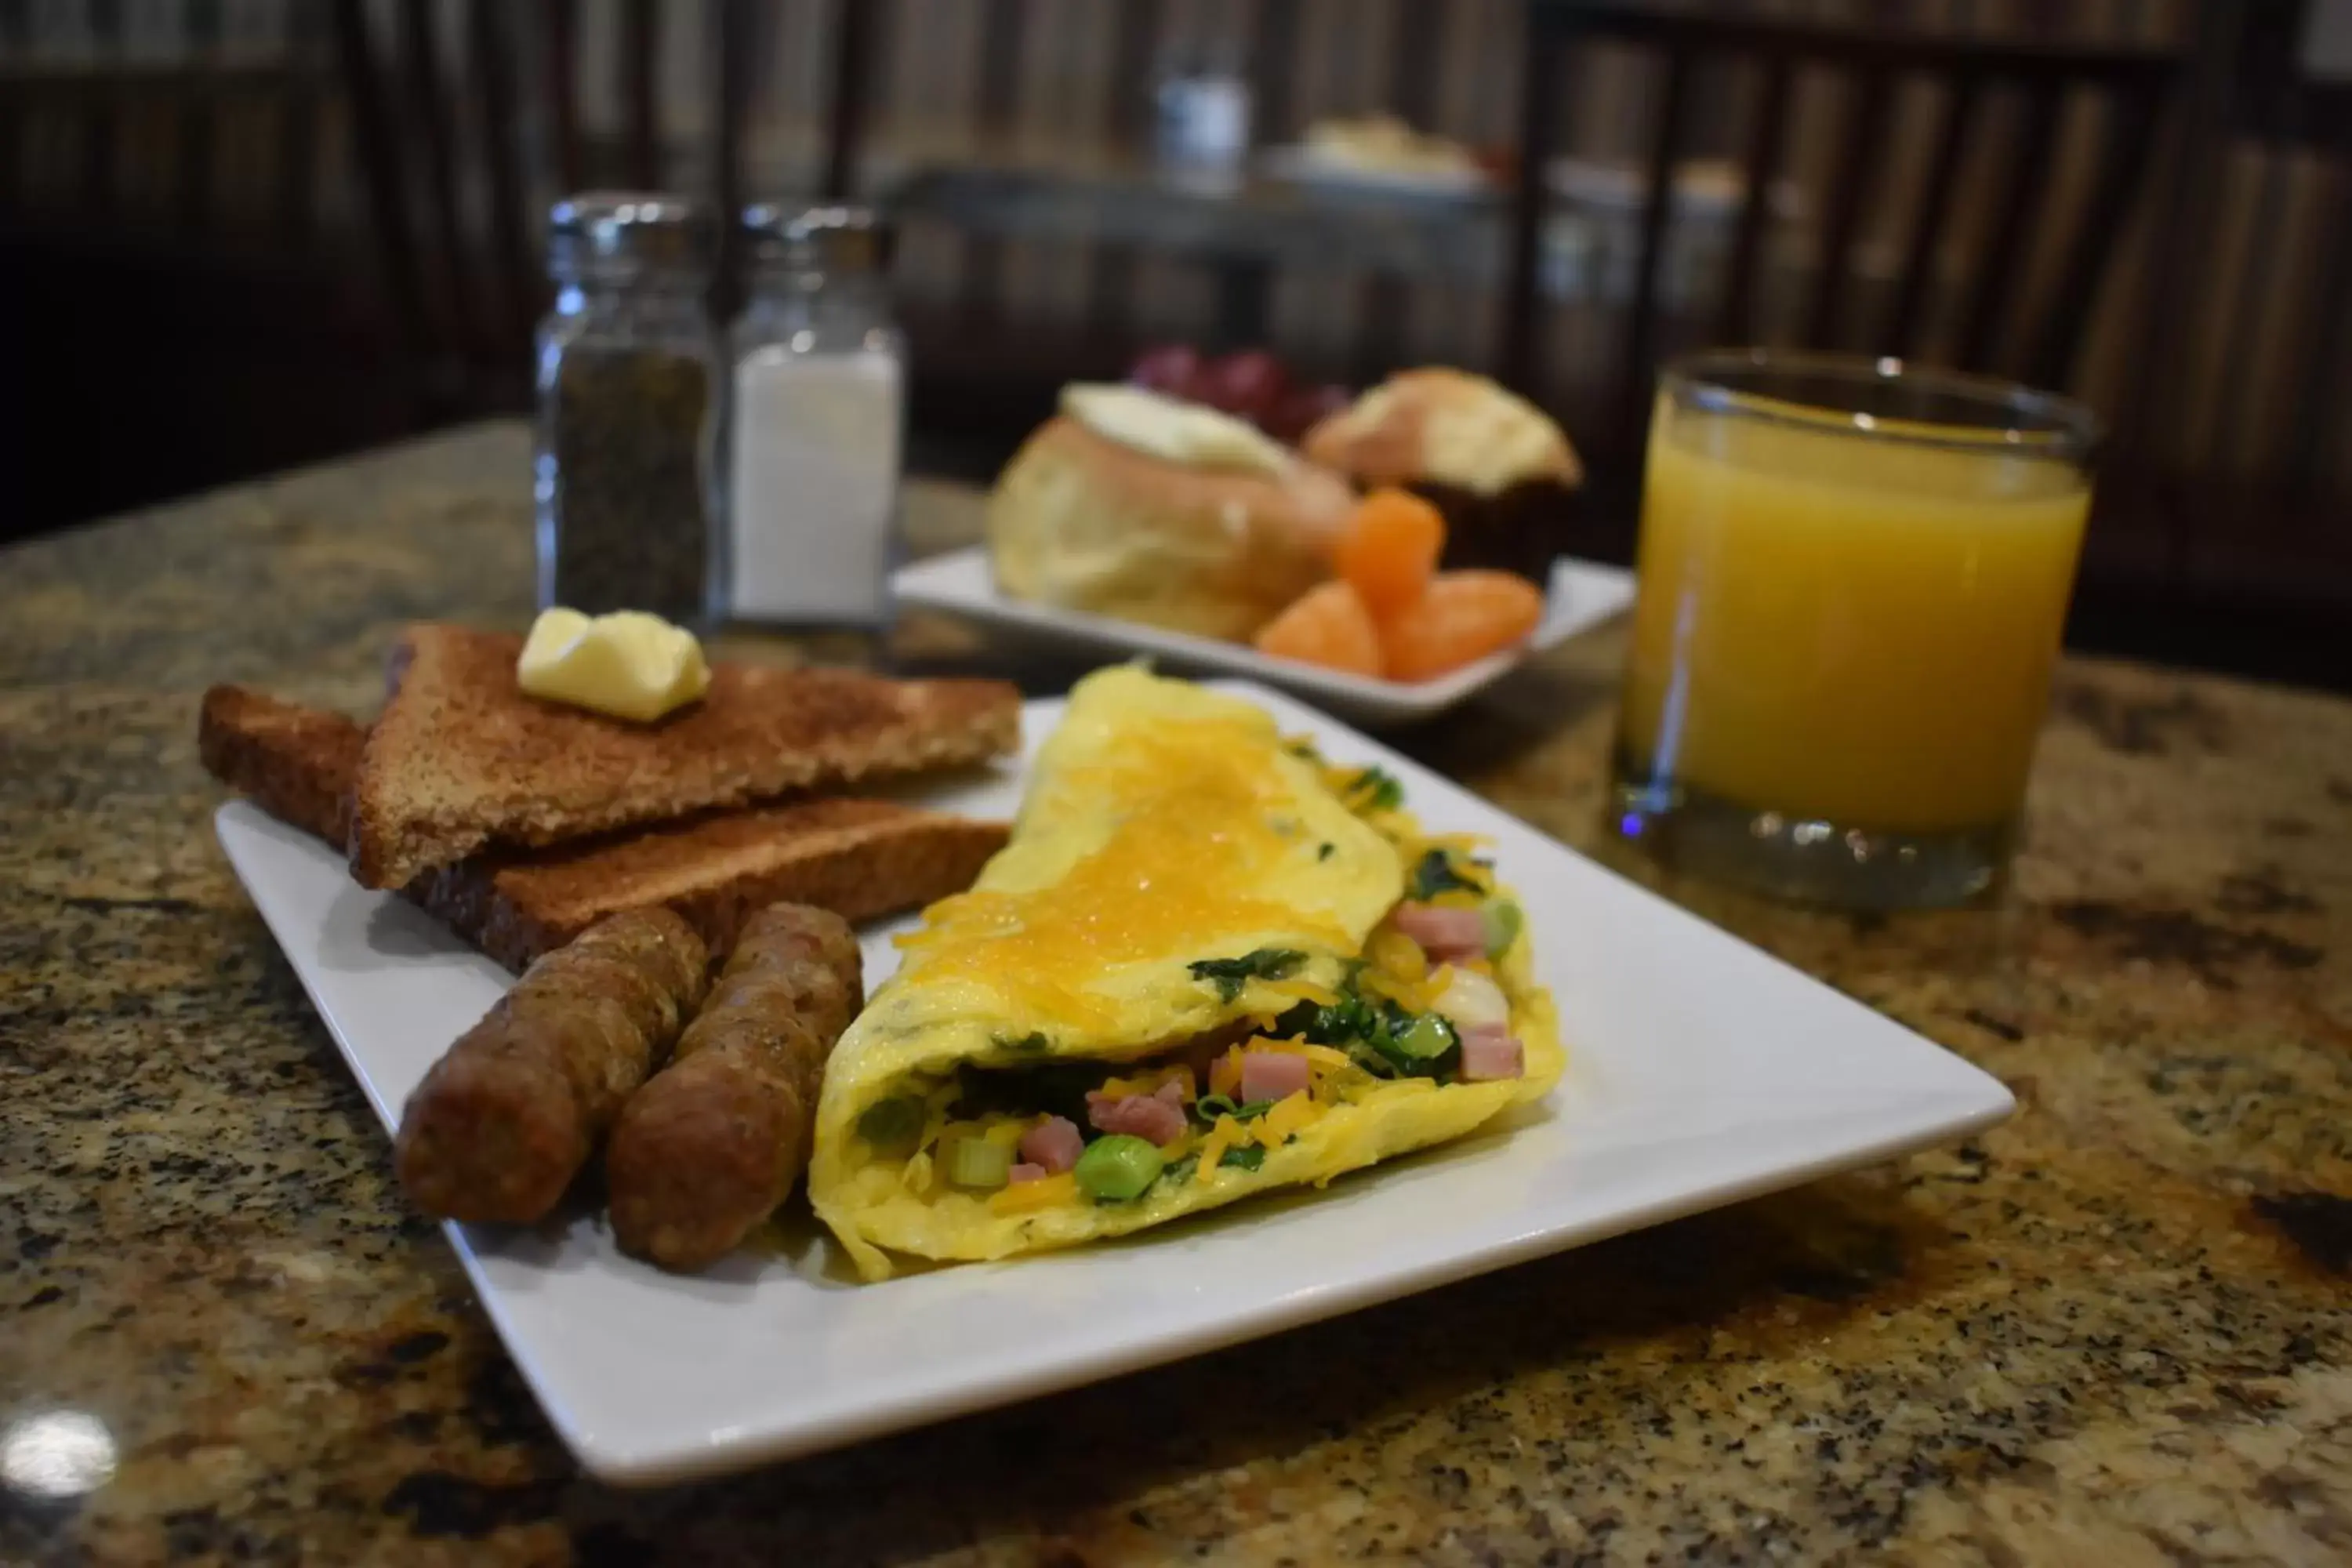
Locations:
(1853, 576)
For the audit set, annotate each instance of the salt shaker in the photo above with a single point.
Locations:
(625, 373)
(815, 423)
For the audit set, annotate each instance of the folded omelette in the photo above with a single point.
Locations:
(1206, 965)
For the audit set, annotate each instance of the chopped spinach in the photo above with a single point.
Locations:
(1334, 1023)
(1373, 1035)
(1177, 1171)
(1435, 874)
(1375, 789)
(893, 1125)
(1232, 976)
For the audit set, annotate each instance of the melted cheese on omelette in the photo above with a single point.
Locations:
(1165, 825)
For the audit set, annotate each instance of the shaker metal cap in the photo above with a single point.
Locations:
(836, 239)
(617, 235)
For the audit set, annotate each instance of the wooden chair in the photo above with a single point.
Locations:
(2135, 86)
(145, 203)
(465, 286)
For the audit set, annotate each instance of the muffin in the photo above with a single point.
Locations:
(1501, 471)
(1135, 505)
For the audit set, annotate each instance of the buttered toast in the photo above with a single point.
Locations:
(859, 858)
(461, 760)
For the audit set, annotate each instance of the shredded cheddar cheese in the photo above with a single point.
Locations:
(1025, 1197)
(1277, 1126)
(1396, 956)
(1222, 1137)
(1225, 1074)
(1155, 884)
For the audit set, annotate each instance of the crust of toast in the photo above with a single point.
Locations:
(859, 858)
(461, 760)
(299, 763)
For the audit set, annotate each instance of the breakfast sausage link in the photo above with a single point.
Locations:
(709, 1147)
(506, 1117)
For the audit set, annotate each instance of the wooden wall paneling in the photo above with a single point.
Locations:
(1931, 223)
(433, 121)
(1853, 177)
(1767, 138)
(560, 82)
(639, 63)
(2018, 213)
(2130, 135)
(1633, 410)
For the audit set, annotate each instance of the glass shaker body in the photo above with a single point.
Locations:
(627, 382)
(809, 456)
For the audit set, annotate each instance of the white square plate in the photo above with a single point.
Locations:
(1582, 595)
(1700, 1071)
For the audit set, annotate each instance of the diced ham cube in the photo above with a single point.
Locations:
(1025, 1172)
(1446, 933)
(1053, 1146)
(1491, 1052)
(1158, 1116)
(1272, 1075)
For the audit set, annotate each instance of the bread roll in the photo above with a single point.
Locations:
(1445, 425)
(1183, 522)
(1495, 465)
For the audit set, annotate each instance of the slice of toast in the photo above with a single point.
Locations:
(299, 763)
(860, 859)
(461, 760)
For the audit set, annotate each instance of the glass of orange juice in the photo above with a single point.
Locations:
(1853, 579)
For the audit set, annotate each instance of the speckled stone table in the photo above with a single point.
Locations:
(2116, 1331)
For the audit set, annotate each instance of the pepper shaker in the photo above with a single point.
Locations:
(625, 408)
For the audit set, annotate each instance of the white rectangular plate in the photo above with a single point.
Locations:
(1582, 595)
(1700, 1071)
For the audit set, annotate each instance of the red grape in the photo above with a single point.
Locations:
(1172, 368)
(1247, 384)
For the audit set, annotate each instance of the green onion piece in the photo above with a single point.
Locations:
(1376, 789)
(1209, 1107)
(1253, 1110)
(1502, 920)
(1117, 1168)
(1430, 1037)
(1244, 1156)
(979, 1164)
(893, 1125)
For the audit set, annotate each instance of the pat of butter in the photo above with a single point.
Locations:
(1172, 430)
(628, 663)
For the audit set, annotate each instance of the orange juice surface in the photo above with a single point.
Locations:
(1836, 626)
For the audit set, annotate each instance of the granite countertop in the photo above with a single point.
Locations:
(2116, 1329)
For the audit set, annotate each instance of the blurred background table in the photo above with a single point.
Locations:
(2115, 1330)
(263, 232)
